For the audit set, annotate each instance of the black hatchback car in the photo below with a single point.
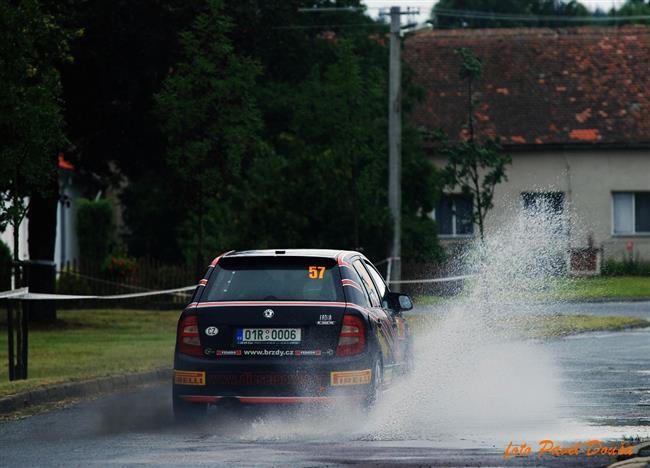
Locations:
(289, 326)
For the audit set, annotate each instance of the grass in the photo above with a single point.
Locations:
(546, 326)
(575, 289)
(602, 287)
(86, 344)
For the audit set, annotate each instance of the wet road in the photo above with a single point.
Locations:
(604, 379)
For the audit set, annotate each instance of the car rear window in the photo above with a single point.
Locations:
(274, 279)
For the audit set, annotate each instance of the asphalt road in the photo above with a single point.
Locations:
(584, 387)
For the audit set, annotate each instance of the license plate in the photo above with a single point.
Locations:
(268, 335)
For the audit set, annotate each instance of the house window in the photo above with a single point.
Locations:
(631, 212)
(549, 202)
(453, 214)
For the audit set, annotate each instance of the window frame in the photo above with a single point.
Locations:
(370, 267)
(366, 286)
(454, 234)
(634, 233)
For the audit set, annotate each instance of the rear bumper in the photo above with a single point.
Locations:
(272, 381)
(271, 400)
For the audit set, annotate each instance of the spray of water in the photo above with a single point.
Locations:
(475, 378)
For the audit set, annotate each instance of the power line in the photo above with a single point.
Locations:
(330, 9)
(336, 26)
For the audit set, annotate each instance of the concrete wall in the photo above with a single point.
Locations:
(587, 179)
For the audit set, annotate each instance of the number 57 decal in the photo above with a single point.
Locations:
(316, 272)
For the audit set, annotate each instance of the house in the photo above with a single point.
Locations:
(572, 108)
(66, 247)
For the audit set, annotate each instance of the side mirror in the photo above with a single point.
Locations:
(399, 302)
(405, 302)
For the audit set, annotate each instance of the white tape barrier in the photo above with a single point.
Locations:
(24, 295)
(433, 280)
(13, 293)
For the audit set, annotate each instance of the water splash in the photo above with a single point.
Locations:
(474, 377)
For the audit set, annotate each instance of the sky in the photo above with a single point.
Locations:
(374, 6)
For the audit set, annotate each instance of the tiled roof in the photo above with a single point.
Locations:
(587, 85)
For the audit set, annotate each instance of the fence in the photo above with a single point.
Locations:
(122, 275)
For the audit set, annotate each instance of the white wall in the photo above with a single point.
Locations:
(8, 238)
(588, 179)
(71, 248)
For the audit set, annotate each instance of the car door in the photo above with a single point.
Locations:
(383, 319)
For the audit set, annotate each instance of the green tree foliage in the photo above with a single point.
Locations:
(95, 230)
(326, 184)
(31, 122)
(633, 8)
(209, 117)
(474, 166)
(241, 177)
(442, 12)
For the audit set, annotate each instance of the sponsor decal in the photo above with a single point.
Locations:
(325, 319)
(227, 352)
(211, 331)
(268, 313)
(189, 378)
(314, 352)
(271, 352)
(359, 377)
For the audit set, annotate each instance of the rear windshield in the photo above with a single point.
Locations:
(274, 279)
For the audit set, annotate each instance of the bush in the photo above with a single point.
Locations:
(70, 283)
(95, 230)
(120, 267)
(627, 267)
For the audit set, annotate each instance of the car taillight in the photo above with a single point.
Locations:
(188, 336)
(352, 339)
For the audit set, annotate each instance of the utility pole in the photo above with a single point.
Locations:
(395, 144)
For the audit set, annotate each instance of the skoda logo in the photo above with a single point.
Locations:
(268, 313)
(211, 331)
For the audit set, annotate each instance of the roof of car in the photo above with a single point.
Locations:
(323, 253)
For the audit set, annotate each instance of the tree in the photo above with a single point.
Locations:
(209, 117)
(324, 182)
(633, 8)
(31, 122)
(444, 12)
(474, 166)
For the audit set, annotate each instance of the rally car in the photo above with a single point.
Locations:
(287, 327)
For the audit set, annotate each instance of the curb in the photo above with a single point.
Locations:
(84, 388)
